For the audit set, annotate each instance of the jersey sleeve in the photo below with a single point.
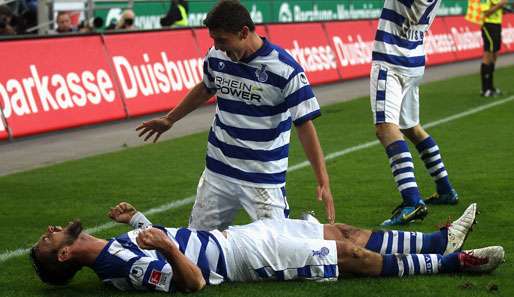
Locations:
(300, 98)
(153, 274)
(208, 76)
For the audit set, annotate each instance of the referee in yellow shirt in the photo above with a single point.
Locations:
(492, 37)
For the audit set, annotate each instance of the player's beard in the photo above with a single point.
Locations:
(73, 230)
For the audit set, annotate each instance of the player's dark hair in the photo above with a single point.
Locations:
(229, 16)
(50, 270)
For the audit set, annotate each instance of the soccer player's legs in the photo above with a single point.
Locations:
(264, 203)
(444, 241)
(425, 145)
(215, 205)
(387, 99)
(491, 36)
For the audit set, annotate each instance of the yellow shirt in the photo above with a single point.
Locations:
(496, 17)
(183, 22)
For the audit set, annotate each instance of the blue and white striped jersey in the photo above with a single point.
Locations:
(401, 30)
(258, 100)
(125, 265)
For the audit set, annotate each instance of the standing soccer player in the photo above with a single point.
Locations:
(397, 70)
(492, 37)
(261, 91)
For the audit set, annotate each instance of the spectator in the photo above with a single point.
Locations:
(6, 19)
(177, 14)
(492, 37)
(64, 24)
(126, 21)
(91, 25)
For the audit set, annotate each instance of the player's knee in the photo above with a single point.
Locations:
(346, 231)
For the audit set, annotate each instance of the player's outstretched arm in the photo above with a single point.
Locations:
(310, 142)
(186, 275)
(197, 96)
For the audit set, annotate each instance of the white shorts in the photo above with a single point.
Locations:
(394, 97)
(280, 250)
(218, 200)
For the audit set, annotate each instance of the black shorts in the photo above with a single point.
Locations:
(492, 37)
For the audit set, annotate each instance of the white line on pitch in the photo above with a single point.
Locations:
(178, 203)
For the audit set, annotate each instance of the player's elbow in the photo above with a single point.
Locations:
(197, 285)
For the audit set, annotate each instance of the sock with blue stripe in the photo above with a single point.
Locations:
(400, 242)
(404, 265)
(402, 168)
(429, 153)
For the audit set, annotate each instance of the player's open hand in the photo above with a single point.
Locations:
(154, 127)
(152, 238)
(122, 213)
(324, 194)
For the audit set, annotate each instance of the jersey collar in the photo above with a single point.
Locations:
(264, 50)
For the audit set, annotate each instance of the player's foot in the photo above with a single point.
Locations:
(450, 198)
(491, 93)
(482, 260)
(405, 214)
(309, 217)
(459, 229)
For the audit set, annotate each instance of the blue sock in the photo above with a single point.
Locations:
(400, 242)
(450, 263)
(429, 153)
(404, 265)
(402, 168)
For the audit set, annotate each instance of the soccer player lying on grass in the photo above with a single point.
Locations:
(169, 259)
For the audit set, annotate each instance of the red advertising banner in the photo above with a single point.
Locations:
(439, 44)
(308, 45)
(3, 129)
(508, 33)
(155, 70)
(353, 47)
(56, 83)
(467, 37)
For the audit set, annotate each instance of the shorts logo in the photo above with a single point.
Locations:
(221, 65)
(261, 74)
(155, 277)
(322, 253)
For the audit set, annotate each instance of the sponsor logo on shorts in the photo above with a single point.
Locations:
(322, 253)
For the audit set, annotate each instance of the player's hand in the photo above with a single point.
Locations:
(122, 213)
(324, 194)
(154, 127)
(152, 238)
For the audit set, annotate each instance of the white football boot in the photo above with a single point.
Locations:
(459, 229)
(482, 260)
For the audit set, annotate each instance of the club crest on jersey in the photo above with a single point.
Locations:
(137, 272)
(303, 78)
(221, 65)
(261, 74)
(322, 253)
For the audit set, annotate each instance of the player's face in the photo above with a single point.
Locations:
(57, 237)
(231, 43)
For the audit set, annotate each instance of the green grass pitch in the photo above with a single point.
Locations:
(477, 149)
